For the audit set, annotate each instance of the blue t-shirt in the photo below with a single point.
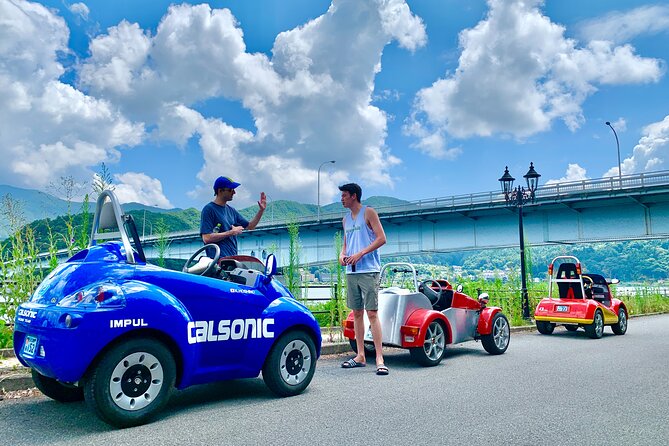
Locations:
(227, 216)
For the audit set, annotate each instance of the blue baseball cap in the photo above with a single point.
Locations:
(224, 183)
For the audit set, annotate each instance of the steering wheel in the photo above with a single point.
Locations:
(431, 294)
(206, 265)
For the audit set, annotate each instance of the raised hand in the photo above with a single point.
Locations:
(262, 203)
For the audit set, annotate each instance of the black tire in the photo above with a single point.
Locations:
(596, 329)
(434, 346)
(291, 364)
(571, 327)
(497, 341)
(131, 382)
(545, 327)
(55, 390)
(370, 350)
(621, 327)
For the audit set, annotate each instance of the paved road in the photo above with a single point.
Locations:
(562, 389)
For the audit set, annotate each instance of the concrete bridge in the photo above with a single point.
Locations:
(631, 207)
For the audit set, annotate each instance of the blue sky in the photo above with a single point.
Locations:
(413, 99)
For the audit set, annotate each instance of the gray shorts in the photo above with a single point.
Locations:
(362, 291)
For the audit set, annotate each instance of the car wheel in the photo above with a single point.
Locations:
(545, 327)
(370, 351)
(291, 364)
(131, 382)
(434, 346)
(571, 327)
(621, 327)
(56, 390)
(497, 341)
(596, 329)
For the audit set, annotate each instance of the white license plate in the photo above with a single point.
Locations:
(29, 346)
(562, 308)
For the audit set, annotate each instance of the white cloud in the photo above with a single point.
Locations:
(310, 102)
(80, 9)
(517, 73)
(651, 152)
(49, 129)
(621, 27)
(140, 188)
(574, 173)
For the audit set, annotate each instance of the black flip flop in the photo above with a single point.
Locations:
(352, 363)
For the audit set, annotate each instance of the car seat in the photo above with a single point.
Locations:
(568, 290)
(442, 300)
(445, 300)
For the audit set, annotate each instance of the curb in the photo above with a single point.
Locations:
(19, 381)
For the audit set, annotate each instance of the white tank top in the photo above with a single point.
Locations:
(359, 236)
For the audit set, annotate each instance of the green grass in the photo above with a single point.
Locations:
(6, 335)
(646, 300)
(506, 295)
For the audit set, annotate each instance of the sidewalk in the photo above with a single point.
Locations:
(15, 377)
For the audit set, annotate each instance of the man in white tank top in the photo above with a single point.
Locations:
(363, 236)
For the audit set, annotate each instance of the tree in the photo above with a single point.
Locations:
(292, 272)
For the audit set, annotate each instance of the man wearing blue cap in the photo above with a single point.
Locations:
(220, 223)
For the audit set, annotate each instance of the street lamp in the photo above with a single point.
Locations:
(518, 197)
(144, 223)
(620, 173)
(319, 188)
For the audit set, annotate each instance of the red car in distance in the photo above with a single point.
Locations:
(578, 299)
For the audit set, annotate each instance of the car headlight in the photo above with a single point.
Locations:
(98, 295)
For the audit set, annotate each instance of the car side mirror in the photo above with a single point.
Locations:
(270, 266)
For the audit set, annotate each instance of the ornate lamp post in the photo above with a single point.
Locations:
(620, 172)
(319, 188)
(518, 197)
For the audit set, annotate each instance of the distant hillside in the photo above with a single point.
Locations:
(35, 205)
(283, 209)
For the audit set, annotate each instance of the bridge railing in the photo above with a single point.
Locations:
(491, 198)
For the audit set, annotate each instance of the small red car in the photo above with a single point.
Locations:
(431, 315)
(577, 299)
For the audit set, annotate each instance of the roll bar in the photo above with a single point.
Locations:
(402, 264)
(109, 215)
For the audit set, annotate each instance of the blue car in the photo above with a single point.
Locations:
(107, 327)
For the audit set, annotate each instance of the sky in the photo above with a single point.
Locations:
(414, 99)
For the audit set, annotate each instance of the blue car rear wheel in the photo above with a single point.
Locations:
(131, 382)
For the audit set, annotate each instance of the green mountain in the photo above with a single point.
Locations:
(28, 205)
(283, 209)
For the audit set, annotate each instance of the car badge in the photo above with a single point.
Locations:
(53, 300)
